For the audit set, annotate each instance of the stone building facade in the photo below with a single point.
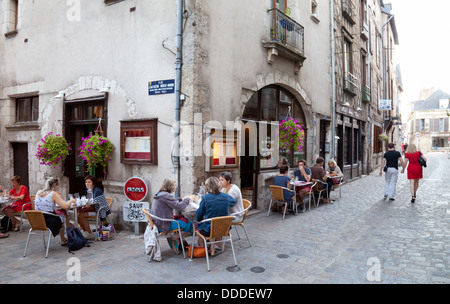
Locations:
(94, 65)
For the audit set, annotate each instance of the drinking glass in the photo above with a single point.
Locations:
(70, 196)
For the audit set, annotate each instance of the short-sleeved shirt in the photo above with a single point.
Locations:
(300, 176)
(392, 157)
(282, 181)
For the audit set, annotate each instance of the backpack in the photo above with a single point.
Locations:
(75, 239)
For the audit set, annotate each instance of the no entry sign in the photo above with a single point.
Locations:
(135, 189)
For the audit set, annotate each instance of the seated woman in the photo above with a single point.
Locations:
(282, 180)
(164, 203)
(99, 200)
(213, 204)
(335, 174)
(46, 200)
(20, 194)
(235, 192)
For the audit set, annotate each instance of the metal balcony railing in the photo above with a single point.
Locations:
(285, 30)
(349, 10)
(351, 83)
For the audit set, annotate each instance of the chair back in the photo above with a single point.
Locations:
(316, 186)
(277, 192)
(36, 220)
(32, 197)
(247, 205)
(109, 201)
(220, 226)
(149, 217)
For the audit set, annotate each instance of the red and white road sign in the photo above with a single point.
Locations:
(135, 189)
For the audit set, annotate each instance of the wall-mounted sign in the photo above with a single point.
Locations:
(132, 211)
(135, 189)
(385, 104)
(161, 87)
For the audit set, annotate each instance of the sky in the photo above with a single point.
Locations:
(424, 45)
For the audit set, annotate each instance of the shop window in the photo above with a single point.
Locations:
(224, 149)
(138, 142)
(27, 109)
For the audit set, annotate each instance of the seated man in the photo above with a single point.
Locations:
(303, 173)
(319, 173)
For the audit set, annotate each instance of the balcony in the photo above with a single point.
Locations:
(350, 84)
(286, 39)
(349, 11)
(365, 96)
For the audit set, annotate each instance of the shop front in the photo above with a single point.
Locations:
(260, 160)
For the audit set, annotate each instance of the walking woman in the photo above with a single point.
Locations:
(414, 169)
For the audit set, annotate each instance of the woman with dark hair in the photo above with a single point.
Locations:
(235, 192)
(283, 180)
(100, 203)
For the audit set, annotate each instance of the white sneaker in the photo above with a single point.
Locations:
(88, 235)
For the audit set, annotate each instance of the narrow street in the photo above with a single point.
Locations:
(359, 239)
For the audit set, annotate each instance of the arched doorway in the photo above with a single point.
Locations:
(264, 110)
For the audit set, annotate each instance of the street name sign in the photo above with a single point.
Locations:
(161, 87)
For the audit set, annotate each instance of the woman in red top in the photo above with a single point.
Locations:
(20, 194)
(414, 169)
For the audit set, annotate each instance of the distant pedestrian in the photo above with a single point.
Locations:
(414, 169)
(390, 166)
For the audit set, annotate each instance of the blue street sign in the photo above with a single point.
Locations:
(161, 87)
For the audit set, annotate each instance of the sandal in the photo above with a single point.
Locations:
(3, 235)
(413, 199)
(16, 228)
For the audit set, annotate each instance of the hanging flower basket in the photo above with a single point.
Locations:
(96, 151)
(291, 135)
(383, 137)
(54, 150)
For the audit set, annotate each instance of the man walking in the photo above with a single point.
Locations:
(390, 161)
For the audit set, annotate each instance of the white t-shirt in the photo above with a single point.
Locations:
(235, 192)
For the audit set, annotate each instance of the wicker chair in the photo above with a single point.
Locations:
(247, 205)
(220, 228)
(109, 201)
(319, 191)
(339, 185)
(169, 234)
(37, 222)
(278, 198)
(21, 213)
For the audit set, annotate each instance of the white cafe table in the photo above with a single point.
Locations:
(301, 184)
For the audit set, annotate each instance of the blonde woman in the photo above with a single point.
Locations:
(414, 169)
(213, 204)
(164, 202)
(46, 200)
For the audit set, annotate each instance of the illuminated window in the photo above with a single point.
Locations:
(223, 149)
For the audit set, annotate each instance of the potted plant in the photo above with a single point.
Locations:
(285, 23)
(54, 150)
(96, 150)
(383, 137)
(291, 134)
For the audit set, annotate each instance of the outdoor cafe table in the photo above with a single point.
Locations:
(75, 211)
(300, 184)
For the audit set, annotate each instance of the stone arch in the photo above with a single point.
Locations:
(281, 79)
(86, 83)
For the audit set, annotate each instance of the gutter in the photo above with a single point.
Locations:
(176, 150)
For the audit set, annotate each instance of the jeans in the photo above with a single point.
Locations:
(390, 185)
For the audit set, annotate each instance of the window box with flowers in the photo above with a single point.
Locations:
(96, 150)
(53, 151)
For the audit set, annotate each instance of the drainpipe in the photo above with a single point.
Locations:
(176, 150)
(384, 69)
(333, 86)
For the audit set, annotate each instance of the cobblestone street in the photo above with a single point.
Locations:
(361, 238)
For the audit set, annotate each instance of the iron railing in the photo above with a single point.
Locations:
(351, 83)
(286, 30)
